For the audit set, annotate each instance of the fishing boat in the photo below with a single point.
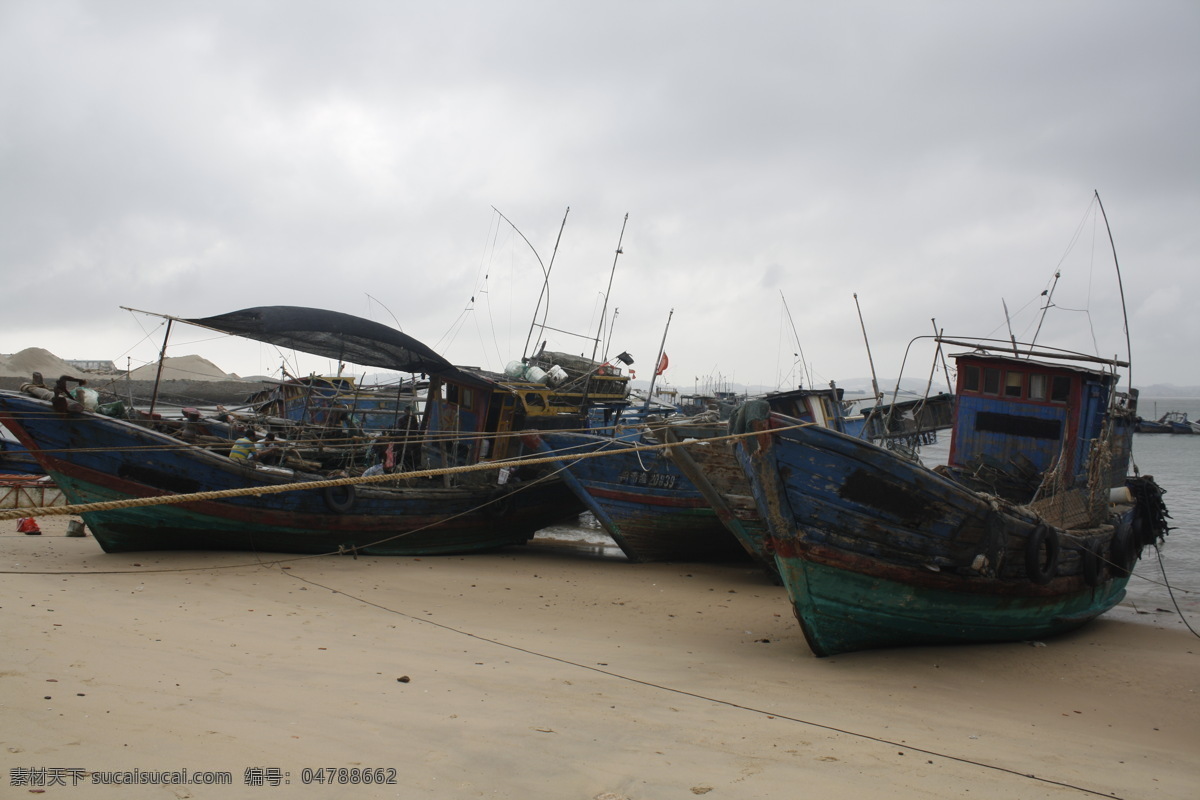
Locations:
(690, 502)
(1030, 530)
(129, 466)
(1171, 422)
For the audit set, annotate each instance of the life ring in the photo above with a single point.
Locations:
(1089, 565)
(340, 499)
(1039, 571)
(1121, 551)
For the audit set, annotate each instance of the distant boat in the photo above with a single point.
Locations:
(1178, 422)
(468, 420)
(1030, 531)
(685, 503)
(1171, 422)
(1151, 426)
(912, 422)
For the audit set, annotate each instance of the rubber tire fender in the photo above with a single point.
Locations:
(340, 499)
(1039, 572)
(1121, 551)
(1089, 565)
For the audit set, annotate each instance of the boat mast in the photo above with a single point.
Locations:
(657, 361)
(1049, 302)
(162, 355)
(611, 328)
(1121, 286)
(545, 276)
(796, 336)
(874, 382)
(604, 309)
(937, 334)
(1008, 322)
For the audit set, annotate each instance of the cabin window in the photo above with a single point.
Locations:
(971, 379)
(1014, 382)
(1060, 389)
(991, 381)
(1037, 387)
(466, 397)
(451, 393)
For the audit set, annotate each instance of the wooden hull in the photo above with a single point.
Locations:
(843, 609)
(714, 469)
(642, 499)
(97, 459)
(878, 551)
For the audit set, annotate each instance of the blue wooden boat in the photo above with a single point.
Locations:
(685, 503)
(95, 458)
(1030, 530)
(641, 498)
(15, 458)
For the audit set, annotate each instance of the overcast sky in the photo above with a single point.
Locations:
(938, 159)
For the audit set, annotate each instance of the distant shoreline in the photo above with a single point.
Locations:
(177, 392)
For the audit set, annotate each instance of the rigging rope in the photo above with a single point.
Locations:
(174, 499)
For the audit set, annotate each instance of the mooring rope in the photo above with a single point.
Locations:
(256, 491)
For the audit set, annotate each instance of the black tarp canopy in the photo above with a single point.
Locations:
(331, 334)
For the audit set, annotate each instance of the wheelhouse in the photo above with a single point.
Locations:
(1017, 410)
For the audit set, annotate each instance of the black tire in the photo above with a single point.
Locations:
(340, 499)
(1039, 571)
(1122, 551)
(1089, 565)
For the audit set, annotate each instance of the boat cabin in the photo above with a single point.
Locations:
(822, 407)
(471, 414)
(1017, 411)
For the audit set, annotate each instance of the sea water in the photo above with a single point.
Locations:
(1173, 460)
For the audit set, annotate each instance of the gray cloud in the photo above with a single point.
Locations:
(934, 158)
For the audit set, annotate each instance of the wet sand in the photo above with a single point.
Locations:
(549, 671)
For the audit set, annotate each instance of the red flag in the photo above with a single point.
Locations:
(662, 365)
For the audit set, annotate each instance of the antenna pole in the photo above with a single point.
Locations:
(604, 310)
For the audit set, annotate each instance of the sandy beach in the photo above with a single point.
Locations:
(545, 672)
